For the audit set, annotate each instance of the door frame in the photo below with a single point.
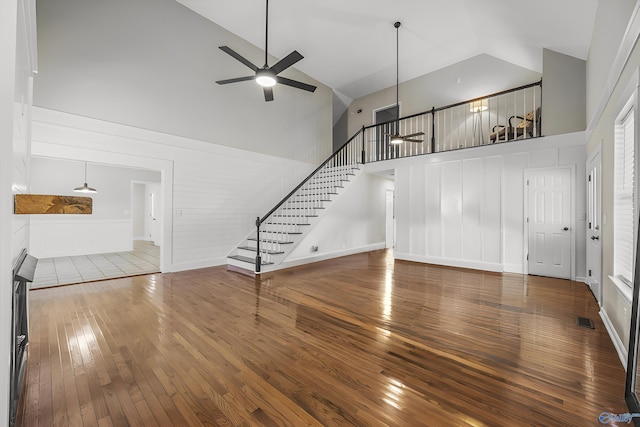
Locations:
(596, 151)
(572, 215)
(392, 219)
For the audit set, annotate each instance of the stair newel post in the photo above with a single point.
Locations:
(258, 257)
(363, 148)
(433, 129)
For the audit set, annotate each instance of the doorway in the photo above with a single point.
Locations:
(385, 119)
(390, 223)
(594, 218)
(549, 220)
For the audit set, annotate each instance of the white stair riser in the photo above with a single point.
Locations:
(304, 208)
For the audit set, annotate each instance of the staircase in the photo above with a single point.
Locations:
(282, 229)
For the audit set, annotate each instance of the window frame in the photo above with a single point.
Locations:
(629, 110)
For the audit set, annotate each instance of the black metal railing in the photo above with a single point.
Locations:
(500, 117)
(350, 154)
(505, 116)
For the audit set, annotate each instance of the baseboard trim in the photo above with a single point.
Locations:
(329, 255)
(615, 338)
(194, 265)
(450, 262)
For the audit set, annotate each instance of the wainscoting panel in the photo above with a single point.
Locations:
(417, 211)
(468, 205)
(472, 203)
(491, 209)
(451, 213)
(433, 209)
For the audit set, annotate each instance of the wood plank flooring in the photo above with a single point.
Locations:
(361, 340)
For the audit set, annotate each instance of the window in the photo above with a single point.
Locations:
(624, 197)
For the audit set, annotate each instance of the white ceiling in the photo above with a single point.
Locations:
(350, 45)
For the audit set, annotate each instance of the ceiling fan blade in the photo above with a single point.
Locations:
(268, 94)
(238, 79)
(286, 62)
(295, 83)
(239, 57)
(414, 134)
(412, 140)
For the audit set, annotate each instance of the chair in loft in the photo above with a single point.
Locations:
(526, 125)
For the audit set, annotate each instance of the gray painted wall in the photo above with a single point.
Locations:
(340, 131)
(153, 64)
(563, 93)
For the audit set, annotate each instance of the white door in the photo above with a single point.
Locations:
(390, 223)
(549, 220)
(594, 214)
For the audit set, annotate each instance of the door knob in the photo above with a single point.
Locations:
(566, 229)
(595, 237)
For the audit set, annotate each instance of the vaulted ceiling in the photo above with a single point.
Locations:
(350, 45)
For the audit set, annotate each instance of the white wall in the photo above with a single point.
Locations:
(17, 63)
(466, 208)
(354, 222)
(137, 211)
(212, 194)
(107, 229)
(113, 199)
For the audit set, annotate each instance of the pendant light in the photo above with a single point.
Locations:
(396, 138)
(85, 188)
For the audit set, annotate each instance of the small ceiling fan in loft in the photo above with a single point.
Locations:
(396, 138)
(267, 77)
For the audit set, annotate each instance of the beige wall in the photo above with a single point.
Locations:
(478, 76)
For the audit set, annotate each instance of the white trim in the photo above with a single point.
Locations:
(582, 280)
(54, 150)
(198, 264)
(622, 289)
(451, 262)
(513, 268)
(624, 52)
(325, 256)
(27, 12)
(615, 338)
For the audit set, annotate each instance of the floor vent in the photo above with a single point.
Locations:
(584, 322)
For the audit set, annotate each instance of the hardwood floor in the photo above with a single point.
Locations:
(360, 340)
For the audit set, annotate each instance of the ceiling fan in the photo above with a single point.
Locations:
(267, 77)
(396, 138)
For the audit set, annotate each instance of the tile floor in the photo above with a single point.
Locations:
(143, 259)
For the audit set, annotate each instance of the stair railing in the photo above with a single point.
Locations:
(504, 116)
(349, 154)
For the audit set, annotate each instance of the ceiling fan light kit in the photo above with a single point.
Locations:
(267, 77)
